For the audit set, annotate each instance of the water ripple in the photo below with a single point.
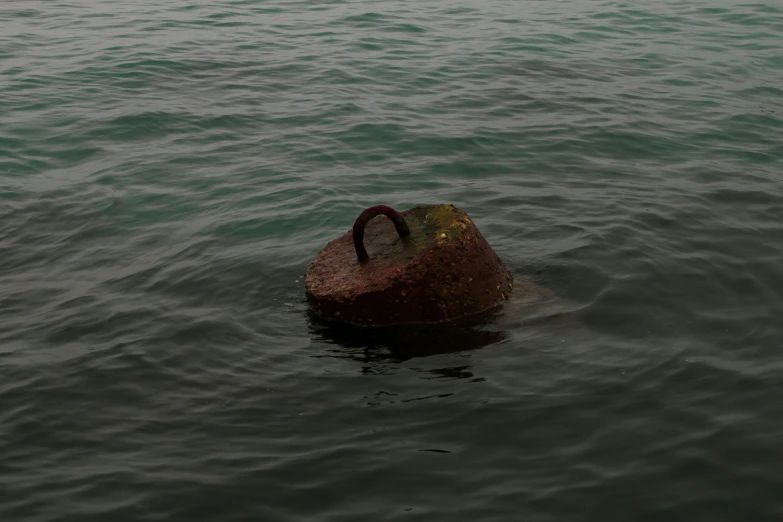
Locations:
(168, 170)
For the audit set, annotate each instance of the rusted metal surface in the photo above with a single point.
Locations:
(442, 270)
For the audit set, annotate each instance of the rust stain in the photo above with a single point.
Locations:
(443, 271)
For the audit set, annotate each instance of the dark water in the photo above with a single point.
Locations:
(169, 169)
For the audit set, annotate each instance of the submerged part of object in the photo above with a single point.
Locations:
(428, 264)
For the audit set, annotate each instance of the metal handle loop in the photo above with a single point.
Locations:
(367, 215)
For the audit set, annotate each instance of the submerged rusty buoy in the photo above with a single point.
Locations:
(429, 264)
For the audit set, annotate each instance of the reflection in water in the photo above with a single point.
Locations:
(403, 342)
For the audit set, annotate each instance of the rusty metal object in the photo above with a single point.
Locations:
(428, 264)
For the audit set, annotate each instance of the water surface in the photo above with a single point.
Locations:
(167, 172)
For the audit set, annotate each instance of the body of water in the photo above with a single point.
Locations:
(169, 169)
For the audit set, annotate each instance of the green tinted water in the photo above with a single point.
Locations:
(167, 172)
